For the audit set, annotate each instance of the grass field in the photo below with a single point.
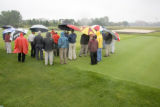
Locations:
(128, 78)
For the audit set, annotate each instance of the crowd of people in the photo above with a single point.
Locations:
(63, 45)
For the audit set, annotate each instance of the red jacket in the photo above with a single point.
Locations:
(55, 38)
(21, 45)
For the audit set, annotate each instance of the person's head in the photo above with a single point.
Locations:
(21, 34)
(62, 34)
(94, 37)
(39, 32)
(72, 31)
(9, 33)
(48, 34)
(33, 32)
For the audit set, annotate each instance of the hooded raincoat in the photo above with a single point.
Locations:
(21, 45)
(63, 41)
(99, 39)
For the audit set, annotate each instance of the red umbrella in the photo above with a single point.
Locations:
(97, 27)
(73, 27)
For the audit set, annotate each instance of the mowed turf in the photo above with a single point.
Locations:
(130, 77)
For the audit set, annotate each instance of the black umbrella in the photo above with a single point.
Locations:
(68, 27)
(64, 27)
(36, 28)
(6, 26)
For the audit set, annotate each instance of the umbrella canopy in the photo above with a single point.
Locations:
(36, 28)
(88, 31)
(68, 27)
(97, 27)
(6, 26)
(8, 30)
(114, 34)
(17, 32)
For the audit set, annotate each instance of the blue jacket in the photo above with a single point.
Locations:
(63, 41)
(72, 38)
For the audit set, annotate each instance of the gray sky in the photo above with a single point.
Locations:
(116, 10)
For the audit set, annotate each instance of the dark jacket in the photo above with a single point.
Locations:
(48, 43)
(84, 39)
(108, 38)
(38, 41)
(63, 41)
(93, 45)
(72, 38)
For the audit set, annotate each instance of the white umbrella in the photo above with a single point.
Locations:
(17, 32)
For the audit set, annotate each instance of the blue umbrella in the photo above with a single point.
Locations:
(9, 30)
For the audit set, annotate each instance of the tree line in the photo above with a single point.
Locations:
(14, 18)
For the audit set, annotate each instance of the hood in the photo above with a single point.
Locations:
(62, 34)
(21, 34)
(48, 34)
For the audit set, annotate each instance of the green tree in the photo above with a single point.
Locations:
(12, 17)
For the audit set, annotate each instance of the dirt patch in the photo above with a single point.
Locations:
(134, 31)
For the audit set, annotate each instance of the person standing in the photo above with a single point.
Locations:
(38, 42)
(84, 44)
(63, 46)
(55, 37)
(100, 45)
(93, 47)
(8, 43)
(72, 45)
(31, 39)
(48, 45)
(21, 47)
(108, 40)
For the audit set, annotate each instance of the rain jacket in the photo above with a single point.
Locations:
(108, 38)
(55, 38)
(38, 41)
(99, 39)
(72, 38)
(48, 43)
(63, 41)
(21, 45)
(84, 39)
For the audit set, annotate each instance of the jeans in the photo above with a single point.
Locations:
(33, 50)
(99, 54)
(39, 50)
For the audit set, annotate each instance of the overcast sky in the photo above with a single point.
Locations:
(116, 10)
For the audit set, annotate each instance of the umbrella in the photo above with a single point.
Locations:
(36, 28)
(97, 27)
(114, 34)
(8, 30)
(6, 26)
(68, 27)
(17, 32)
(88, 31)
